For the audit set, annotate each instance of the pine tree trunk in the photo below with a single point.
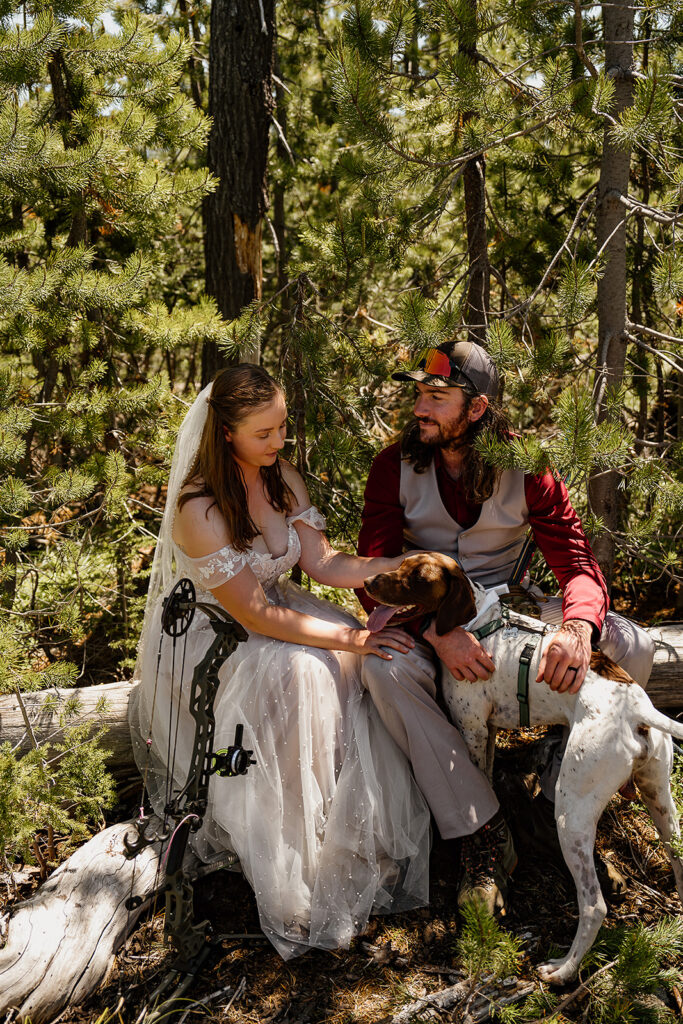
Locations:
(194, 67)
(641, 288)
(477, 302)
(618, 20)
(241, 57)
(279, 222)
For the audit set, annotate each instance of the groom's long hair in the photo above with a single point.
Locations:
(237, 392)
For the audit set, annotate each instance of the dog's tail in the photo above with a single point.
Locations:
(656, 720)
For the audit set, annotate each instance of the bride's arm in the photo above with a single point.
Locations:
(323, 563)
(244, 598)
(319, 559)
(202, 531)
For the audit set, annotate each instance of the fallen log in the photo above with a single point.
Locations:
(105, 705)
(60, 944)
(665, 688)
(58, 947)
(108, 704)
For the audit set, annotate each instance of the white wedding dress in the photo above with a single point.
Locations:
(328, 824)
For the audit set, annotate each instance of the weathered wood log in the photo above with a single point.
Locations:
(105, 705)
(61, 943)
(665, 689)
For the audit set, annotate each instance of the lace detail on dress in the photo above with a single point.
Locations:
(218, 568)
(310, 516)
(213, 570)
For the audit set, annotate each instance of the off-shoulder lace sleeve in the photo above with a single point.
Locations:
(311, 517)
(217, 568)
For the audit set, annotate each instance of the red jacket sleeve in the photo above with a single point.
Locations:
(560, 538)
(381, 531)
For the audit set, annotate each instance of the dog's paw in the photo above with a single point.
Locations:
(557, 972)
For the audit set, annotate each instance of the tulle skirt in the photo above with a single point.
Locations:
(328, 824)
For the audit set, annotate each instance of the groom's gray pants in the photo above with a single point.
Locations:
(403, 691)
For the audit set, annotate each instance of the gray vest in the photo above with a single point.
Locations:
(486, 551)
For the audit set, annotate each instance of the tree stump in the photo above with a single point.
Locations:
(60, 944)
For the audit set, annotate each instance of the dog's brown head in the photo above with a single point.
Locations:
(423, 583)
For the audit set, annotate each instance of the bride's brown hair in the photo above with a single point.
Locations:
(236, 393)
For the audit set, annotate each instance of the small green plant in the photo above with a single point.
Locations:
(624, 970)
(48, 792)
(635, 962)
(539, 1005)
(483, 946)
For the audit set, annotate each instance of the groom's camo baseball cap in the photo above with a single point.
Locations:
(457, 364)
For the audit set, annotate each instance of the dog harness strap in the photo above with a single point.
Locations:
(523, 682)
(486, 630)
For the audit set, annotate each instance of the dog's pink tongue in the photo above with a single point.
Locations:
(378, 617)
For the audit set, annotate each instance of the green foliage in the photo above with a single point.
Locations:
(650, 121)
(575, 290)
(538, 1006)
(636, 964)
(623, 968)
(483, 946)
(62, 789)
(93, 201)
(677, 794)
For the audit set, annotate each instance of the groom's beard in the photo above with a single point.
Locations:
(451, 435)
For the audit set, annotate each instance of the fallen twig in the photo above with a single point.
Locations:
(239, 991)
(446, 999)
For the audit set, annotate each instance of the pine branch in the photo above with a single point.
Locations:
(642, 210)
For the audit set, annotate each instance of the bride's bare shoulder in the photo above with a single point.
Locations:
(199, 527)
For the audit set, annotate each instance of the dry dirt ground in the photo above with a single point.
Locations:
(398, 959)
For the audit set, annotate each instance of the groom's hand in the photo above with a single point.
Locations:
(461, 653)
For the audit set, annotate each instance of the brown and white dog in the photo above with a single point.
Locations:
(615, 731)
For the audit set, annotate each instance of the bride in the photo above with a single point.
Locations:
(328, 824)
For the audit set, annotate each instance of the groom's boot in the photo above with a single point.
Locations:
(488, 860)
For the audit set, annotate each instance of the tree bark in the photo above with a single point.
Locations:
(49, 725)
(477, 302)
(194, 66)
(279, 222)
(618, 22)
(241, 103)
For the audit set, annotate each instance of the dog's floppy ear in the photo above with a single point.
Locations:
(458, 606)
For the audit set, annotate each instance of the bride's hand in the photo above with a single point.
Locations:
(364, 642)
(397, 560)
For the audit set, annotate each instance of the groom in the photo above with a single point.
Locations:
(432, 490)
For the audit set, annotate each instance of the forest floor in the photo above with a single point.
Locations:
(399, 958)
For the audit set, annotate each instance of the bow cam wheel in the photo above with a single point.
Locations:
(178, 610)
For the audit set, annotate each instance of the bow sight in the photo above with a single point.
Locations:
(187, 806)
